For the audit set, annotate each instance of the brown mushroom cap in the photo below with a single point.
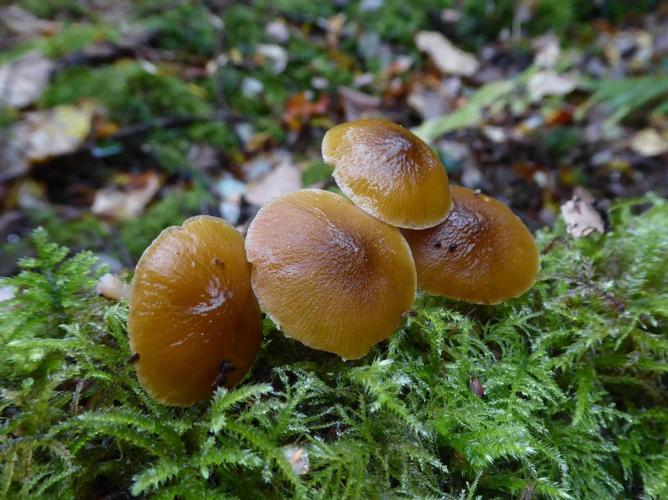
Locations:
(388, 172)
(194, 322)
(482, 253)
(328, 274)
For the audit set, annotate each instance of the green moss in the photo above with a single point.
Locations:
(573, 375)
(53, 8)
(185, 27)
(85, 232)
(397, 21)
(131, 93)
(316, 172)
(72, 37)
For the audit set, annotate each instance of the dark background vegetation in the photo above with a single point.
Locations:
(181, 108)
(185, 95)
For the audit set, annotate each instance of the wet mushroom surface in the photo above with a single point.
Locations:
(388, 172)
(328, 274)
(482, 253)
(194, 322)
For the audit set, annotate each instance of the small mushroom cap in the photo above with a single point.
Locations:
(329, 275)
(388, 172)
(194, 321)
(482, 253)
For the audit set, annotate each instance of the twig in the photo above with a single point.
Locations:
(165, 122)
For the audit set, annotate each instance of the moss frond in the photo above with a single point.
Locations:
(558, 394)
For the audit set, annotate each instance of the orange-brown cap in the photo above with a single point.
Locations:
(482, 253)
(328, 274)
(388, 172)
(194, 322)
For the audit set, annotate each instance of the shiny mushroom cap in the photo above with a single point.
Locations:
(388, 172)
(329, 275)
(482, 253)
(194, 322)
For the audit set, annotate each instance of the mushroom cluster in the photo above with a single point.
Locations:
(335, 274)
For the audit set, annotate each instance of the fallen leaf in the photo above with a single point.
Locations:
(546, 83)
(244, 131)
(30, 195)
(581, 218)
(128, 201)
(527, 492)
(230, 210)
(448, 58)
(319, 83)
(476, 387)
(451, 15)
(22, 22)
(278, 30)
(230, 189)
(276, 55)
(430, 101)
(370, 5)
(203, 157)
(13, 162)
(397, 67)
(286, 177)
(9, 219)
(258, 167)
(113, 287)
(649, 142)
(251, 87)
(334, 26)
(495, 134)
(300, 108)
(297, 457)
(562, 116)
(6, 293)
(357, 104)
(547, 51)
(633, 49)
(364, 79)
(44, 134)
(23, 80)
(104, 128)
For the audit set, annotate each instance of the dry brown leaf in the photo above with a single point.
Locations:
(127, 202)
(23, 80)
(581, 218)
(300, 108)
(448, 58)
